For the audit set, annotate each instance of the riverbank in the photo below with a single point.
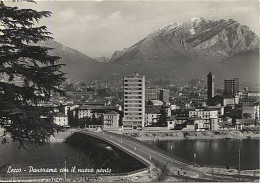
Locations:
(181, 135)
(61, 135)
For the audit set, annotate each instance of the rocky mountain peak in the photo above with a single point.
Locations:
(103, 59)
(195, 38)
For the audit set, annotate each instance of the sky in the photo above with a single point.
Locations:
(99, 28)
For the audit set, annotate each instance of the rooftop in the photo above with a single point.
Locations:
(59, 114)
(246, 121)
(153, 109)
(91, 107)
(112, 113)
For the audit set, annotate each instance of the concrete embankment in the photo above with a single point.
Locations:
(179, 135)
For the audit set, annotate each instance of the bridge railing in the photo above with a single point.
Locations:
(152, 147)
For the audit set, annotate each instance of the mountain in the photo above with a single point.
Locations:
(77, 64)
(104, 59)
(190, 49)
(195, 38)
(178, 51)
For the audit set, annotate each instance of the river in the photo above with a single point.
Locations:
(219, 153)
(54, 155)
(216, 152)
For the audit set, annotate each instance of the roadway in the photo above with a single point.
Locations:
(152, 156)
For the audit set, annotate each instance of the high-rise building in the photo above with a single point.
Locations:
(164, 95)
(231, 86)
(211, 85)
(134, 102)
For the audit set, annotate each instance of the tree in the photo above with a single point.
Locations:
(38, 73)
(163, 116)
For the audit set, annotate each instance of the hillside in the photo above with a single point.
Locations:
(179, 51)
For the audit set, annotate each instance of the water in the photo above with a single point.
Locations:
(215, 152)
(53, 155)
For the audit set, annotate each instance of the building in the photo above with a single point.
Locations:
(250, 111)
(211, 85)
(155, 102)
(157, 94)
(244, 123)
(229, 100)
(220, 109)
(152, 114)
(253, 95)
(61, 119)
(81, 95)
(164, 95)
(88, 111)
(152, 94)
(187, 123)
(180, 112)
(231, 86)
(111, 120)
(134, 102)
(209, 117)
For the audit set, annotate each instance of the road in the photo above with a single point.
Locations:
(151, 156)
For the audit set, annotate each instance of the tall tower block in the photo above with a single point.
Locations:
(211, 85)
(134, 102)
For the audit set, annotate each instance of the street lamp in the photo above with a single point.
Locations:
(239, 164)
(194, 155)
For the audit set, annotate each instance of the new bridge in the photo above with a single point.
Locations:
(152, 156)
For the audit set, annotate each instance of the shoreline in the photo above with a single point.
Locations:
(179, 135)
(193, 135)
(193, 138)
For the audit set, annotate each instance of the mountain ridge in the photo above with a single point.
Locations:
(179, 50)
(196, 37)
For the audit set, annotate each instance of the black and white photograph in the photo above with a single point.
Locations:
(129, 91)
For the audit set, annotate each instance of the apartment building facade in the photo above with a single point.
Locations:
(134, 102)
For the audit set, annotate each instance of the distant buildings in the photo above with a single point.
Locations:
(245, 123)
(250, 111)
(90, 110)
(152, 94)
(80, 95)
(231, 86)
(164, 95)
(211, 85)
(230, 100)
(157, 94)
(61, 119)
(209, 117)
(134, 102)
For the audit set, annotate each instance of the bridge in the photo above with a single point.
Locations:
(153, 157)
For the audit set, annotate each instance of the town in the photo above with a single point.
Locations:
(135, 104)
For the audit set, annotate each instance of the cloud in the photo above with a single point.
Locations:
(114, 16)
(100, 28)
(66, 15)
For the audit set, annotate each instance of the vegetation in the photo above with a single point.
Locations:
(29, 76)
